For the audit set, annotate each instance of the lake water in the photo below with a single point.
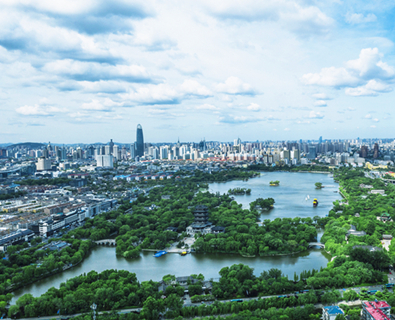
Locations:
(147, 267)
(290, 202)
(290, 196)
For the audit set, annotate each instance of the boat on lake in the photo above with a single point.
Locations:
(159, 253)
(184, 253)
(315, 202)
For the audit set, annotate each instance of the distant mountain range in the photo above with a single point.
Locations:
(37, 145)
(31, 145)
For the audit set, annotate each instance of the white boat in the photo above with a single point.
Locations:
(308, 197)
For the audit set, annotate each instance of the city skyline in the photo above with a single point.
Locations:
(263, 71)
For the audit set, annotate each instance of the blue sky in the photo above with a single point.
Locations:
(86, 71)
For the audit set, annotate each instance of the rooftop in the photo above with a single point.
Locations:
(374, 309)
(380, 304)
(333, 310)
(19, 233)
(370, 248)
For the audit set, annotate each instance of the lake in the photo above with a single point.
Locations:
(290, 196)
(289, 202)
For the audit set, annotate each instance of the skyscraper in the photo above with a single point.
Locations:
(364, 152)
(111, 144)
(376, 151)
(312, 152)
(132, 151)
(139, 141)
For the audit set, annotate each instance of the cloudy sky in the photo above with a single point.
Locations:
(87, 71)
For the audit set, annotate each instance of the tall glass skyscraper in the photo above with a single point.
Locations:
(139, 141)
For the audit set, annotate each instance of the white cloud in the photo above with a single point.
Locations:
(235, 86)
(373, 126)
(372, 88)
(39, 110)
(102, 86)
(235, 119)
(357, 18)
(52, 109)
(75, 7)
(192, 87)
(370, 66)
(366, 76)
(154, 94)
(79, 116)
(206, 106)
(368, 116)
(376, 120)
(320, 103)
(164, 113)
(35, 110)
(331, 77)
(321, 96)
(253, 107)
(303, 20)
(316, 115)
(93, 71)
(166, 94)
(96, 105)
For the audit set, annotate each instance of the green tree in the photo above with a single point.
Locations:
(151, 308)
(13, 311)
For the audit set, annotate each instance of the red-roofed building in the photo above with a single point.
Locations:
(375, 310)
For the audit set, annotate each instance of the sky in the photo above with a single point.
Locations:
(89, 71)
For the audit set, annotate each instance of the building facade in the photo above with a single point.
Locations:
(139, 141)
(375, 310)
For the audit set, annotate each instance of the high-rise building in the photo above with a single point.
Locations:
(43, 164)
(107, 150)
(312, 152)
(111, 145)
(376, 151)
(116, 152)
(139, 141)
(164, 152)
(105, 161)
(132, 151)
(364, 152)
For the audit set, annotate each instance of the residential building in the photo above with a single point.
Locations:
(375, 310)
(330, 313)
(19, 236)
(43, 164)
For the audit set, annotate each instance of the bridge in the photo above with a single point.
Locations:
(316, 244)
(106, 242)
